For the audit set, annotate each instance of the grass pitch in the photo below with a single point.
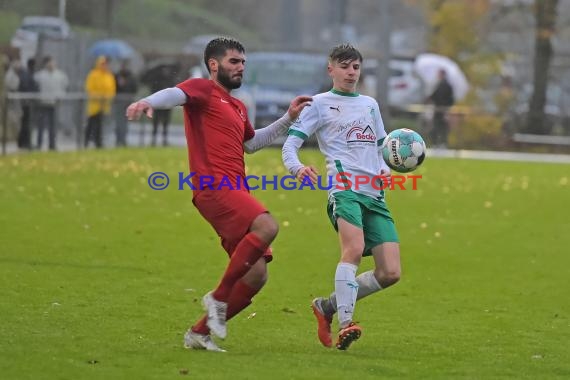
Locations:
(100, 275)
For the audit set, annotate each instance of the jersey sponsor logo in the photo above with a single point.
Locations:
(361, 136)
(361, 122)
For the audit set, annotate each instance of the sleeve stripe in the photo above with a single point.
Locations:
(379, 142)
(294, 132)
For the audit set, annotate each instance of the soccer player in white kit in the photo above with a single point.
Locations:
(349, 131)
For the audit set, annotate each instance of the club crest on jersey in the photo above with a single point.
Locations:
(360, 136)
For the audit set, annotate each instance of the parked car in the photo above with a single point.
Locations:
(404, 86)
(26, 36)
(273, 79)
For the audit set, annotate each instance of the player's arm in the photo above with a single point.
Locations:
(290, 156)
(306, 125)
(381, 133)
(265, 136)
(385, 170)
(163, 99)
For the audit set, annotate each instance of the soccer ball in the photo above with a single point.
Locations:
(403, 150)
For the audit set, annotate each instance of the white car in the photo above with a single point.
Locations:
(405, 87)
(26, 36)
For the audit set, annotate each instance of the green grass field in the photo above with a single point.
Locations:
(100, 275)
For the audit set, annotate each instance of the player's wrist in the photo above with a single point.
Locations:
(297, 171)
(287, 119)
(146, 102)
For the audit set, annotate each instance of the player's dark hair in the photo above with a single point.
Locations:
(218, 46)
(345, 53)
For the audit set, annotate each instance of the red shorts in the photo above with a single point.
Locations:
(231, 213)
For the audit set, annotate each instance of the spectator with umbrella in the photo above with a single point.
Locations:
(446, 84)
(127, 87)
(442, 99)
(158, 78)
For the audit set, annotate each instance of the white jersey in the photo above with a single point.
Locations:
(349, 130)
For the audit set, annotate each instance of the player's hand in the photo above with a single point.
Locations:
(297, 106)
(308, 171)
(386, 177)
(136, 109)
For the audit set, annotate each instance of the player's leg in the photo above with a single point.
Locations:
(247, 252)
(387, 270)
(346, 288)
(351, 245)
(197, 341)
(198, 337)
(381, 240)
(246, 288)
(386, 273)
(236, 216)
(242, 293)
(345, 213)
(342, 206)
(367, 284)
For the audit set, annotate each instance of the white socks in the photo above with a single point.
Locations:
(367, 284)
(346, 288)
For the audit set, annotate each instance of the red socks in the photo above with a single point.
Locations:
(246, 254)
(239, 299)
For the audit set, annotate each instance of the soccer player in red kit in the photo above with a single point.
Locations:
(218, 132)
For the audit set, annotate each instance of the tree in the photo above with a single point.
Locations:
(545, 14)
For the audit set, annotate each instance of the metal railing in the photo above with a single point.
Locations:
(70, 111)
(469, 127)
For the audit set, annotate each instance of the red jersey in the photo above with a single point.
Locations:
(216, 126)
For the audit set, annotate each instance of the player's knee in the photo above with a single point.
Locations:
(272, 228)
(388, 277)
(353, 252)
(266, 227)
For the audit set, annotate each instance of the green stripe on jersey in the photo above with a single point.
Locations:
(342, 176)
(294, 132)
(381, 141)
(342, 93)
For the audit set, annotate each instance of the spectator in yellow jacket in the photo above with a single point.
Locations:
(101, 88)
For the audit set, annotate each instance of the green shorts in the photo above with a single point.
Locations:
(370, 214)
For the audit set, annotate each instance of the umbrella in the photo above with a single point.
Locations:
(427, 67)
(114, 49)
